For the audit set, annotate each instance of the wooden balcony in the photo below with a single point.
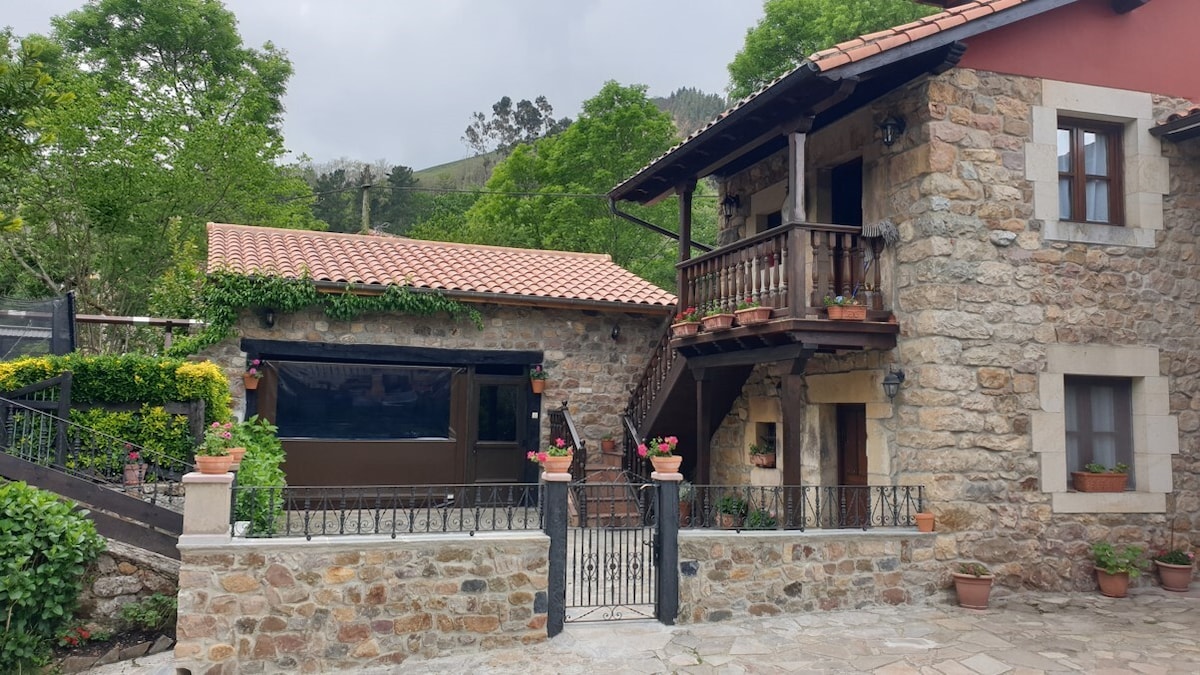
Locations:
(790, 269)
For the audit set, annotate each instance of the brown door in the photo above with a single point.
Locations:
(854, 499)
(498, 411)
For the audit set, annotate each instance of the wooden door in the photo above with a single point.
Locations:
(854, 498)
(498, 414)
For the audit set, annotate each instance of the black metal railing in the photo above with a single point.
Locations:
(563, 426)
(799, 507)
(393, 510)
(49, 440)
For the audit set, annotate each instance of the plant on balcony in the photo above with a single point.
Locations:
(686, 323)
(763, 455)
(750, 312)
(845, 308)
(761, 519)
(1100, 478)
(716, 318)
(731, 510)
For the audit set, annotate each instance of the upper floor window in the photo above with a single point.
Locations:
(1089, 172)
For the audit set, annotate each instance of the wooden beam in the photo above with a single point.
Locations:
(791, 403)
(794, 210)
(685, 191)
(751, 356)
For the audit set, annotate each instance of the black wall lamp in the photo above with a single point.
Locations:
(616, 331)
(267, 315)
(892, 382)
(891, 127)
(730, 205)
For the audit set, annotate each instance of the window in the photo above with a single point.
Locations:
(1098, 413)
(1089, 172)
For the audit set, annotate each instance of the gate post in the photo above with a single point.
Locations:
(667, 602)
(556, 529)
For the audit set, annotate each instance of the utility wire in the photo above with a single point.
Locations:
(474, 192)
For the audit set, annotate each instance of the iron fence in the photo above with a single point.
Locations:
(800, 507)
(386, 510)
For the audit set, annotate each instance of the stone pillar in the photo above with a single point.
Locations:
(206, 510)
(556, 528)
(667, 546)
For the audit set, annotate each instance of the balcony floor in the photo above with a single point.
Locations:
(786, 338)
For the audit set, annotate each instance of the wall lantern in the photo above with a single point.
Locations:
(892, 382)
(891, 127)
(267, 317)
(616, 331)
(730, 205)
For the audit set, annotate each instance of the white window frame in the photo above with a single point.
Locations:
(1155, 430)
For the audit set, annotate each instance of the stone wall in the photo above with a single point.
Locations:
(357, 602)
(585, 364)
(122, 575)
(726, 576)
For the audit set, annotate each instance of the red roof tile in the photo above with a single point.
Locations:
(382, 260)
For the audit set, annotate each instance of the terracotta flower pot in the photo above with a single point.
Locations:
(213, 465)
(717, 321)
(1174, 577)
(250, 381)
(847, 312)
(236, 455)
(766, 461)
(134, 474)
(924, 522)
(558, 464)
(538, 386)
(1113, 585)
(973, 591)
(685, 329)
(608, 445)
(668, 464)
(729, 521)
(749, 317)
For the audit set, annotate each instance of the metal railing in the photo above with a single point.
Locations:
(393, 510)
(563, 426)
(800, 507)
(49, 440)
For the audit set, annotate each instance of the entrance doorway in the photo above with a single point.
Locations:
(854, 496)
(498, 416)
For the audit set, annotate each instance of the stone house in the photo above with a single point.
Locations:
(1012, 187)
(403, 399)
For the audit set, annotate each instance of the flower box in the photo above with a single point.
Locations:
(717, 321)
(754, 315)
(847, 312)
(1085, 481)
(763, 460)
(685, 329)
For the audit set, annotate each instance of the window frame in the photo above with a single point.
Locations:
(1078, 389)
(1078, 177)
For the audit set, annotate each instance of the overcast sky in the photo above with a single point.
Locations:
(399, 79)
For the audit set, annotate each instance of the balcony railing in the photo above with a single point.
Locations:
(790, 269)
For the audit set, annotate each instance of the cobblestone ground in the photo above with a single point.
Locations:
(1152, 631)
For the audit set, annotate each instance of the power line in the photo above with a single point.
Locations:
(473, 192)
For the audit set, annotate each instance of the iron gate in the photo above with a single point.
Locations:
(612, 552)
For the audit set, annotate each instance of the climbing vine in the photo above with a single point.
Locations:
(225, 294)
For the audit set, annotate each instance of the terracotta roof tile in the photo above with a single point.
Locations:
(381, 260)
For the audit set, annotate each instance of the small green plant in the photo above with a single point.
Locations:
(713, 310)
(732, 505)
(840, 300)
(764, 448)
(607, 437)
(77, 636)
(1125, 560)
(1175, 556)
(974, 569)
(153, 613)
(760, 519)
(748, 303)
(686, 491)
(537, 372)
(1100, 468)
(260, 480)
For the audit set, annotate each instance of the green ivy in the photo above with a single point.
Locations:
(226, 294)
(45, 547)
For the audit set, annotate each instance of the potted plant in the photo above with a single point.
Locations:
(750, 312)
(973, 584)
(537, 378)
(608, 443)
(761, 519)
(845, 308)
(686, 323)
(716, 318)
(762, 455)
(658, 451)
(1099, 478)
(1175, 569)
(687, 493)
(1116, 566)
(731, 510)
(212, 455)
(252, 375)
(135, 469)
(555, 459)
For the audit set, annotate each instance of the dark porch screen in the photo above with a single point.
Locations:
(362, 402)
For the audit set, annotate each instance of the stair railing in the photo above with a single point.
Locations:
(563, 426)
(642, 398)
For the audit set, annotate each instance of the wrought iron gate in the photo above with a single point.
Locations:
(612, 554)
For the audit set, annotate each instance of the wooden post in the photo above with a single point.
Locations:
(794, 211)
(703, 426)
(684, 191)
(792, 405)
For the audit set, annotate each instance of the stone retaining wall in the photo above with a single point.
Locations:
(357, 602)
(122, 575)
(725, 576)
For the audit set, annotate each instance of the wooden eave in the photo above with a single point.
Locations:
(782, 340)
(1182, 129)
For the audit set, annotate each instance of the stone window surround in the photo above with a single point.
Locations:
(1145, 170)
(1155, 430)
(866, 387)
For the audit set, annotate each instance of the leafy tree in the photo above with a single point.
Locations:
(791, 30)
(690, 108)
(509, 126)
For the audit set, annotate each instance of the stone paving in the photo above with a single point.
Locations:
(1153, 632)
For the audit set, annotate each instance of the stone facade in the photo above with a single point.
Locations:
(357, 602)
(121, 575)
(984, 296)
(760, 574)
(586, 366)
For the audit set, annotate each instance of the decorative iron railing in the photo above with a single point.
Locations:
(52, 441)
(387, 510)
(771, 268)
(648, 388)
(800, 507)
(563, 426)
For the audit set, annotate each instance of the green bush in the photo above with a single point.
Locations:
(259, 469)
(45, 546)
(152, 614)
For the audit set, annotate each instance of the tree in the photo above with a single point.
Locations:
(691, 108)
(791, 30)
(509, 127)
